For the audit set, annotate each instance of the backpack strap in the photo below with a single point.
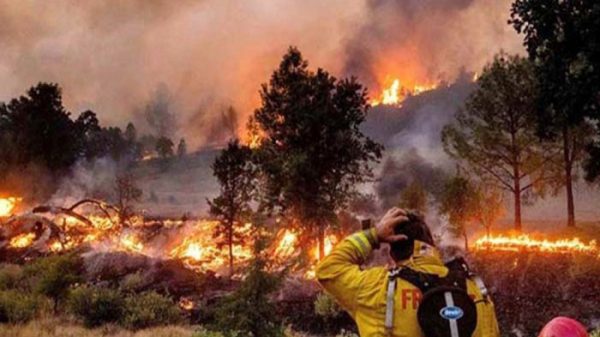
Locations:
(423, 281)
(482, 288)
(459, 265)
(389, 302)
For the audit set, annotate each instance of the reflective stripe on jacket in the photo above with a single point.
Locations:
(362, 292)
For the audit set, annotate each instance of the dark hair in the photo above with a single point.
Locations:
(415, 229)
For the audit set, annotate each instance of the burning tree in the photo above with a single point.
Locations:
(495, 133)
(233, 169)
(312, 153)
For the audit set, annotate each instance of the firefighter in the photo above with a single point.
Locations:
(563, 327)
(384, 305)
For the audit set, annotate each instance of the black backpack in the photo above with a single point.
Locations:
(445, 309)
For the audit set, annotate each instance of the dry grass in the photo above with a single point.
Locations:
(62, 328)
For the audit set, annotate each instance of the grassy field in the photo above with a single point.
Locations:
(52, 327)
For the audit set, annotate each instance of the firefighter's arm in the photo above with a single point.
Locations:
(340, 274)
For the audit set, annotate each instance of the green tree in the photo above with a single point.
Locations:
(562, 39)
(181, 148)
(131, 138)
(164, 147)
(38, 129)
(53, 276)
(312, 153)
(235, 174)
(159, 113)
(489, 206)
(248, 311)
(414, 197)
(495, 132)
(459, 202)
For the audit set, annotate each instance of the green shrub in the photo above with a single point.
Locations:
(595, 333)
(149, 309)
(248, 311)
(207, 333)
(133, 282)
(96, 306)
(17, 307)
(10, 276)
(53, 276)
(326, 306)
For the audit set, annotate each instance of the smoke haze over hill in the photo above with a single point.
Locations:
(113, 57)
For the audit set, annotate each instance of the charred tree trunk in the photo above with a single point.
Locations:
(517, 194)
(567, 153)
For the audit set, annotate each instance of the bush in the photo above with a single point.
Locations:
(10, 276)
(96, 306)
(16, 307)
(248, 311)
(149, 309)
(133, 282)
(53, 276)
(326, 306)
(207, 333)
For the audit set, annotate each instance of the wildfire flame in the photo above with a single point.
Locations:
(131, 243)
(186, 304)
(190, 241)
(7, 205)
(525, 242)
(22, 240)
(396, 92)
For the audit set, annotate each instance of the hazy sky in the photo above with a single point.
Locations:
(110, 56)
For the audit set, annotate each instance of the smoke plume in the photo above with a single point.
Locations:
(427, 41)
(111, 57)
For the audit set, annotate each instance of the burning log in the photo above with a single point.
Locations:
(29, 231)
(61, 210)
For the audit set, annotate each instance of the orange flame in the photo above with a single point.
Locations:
(22, 241)
(7, 205)
(186, 304)
(525, 242)
(192, 242)
(131, 243)
(396, 92)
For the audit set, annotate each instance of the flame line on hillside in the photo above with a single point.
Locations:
(524, 242)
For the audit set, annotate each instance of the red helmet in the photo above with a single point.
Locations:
(563, 327)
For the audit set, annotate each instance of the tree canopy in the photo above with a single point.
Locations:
(312, 153)
(563, 42)
(495, 132)
(235, 174)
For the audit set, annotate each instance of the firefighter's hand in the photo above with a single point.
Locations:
(385, 227)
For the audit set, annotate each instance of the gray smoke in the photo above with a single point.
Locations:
(397, 173)
(110, 57)
(428, 40)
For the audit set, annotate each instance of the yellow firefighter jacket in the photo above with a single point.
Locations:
(362, 292)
